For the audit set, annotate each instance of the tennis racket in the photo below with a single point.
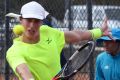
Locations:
(76, 61)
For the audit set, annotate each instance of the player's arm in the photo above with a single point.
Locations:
(23, 71)
(17, 62)
(77, 35)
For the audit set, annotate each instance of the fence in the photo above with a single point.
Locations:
(66, 15)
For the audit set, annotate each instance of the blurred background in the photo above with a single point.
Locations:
(65, 15)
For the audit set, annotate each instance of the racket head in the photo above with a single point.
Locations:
(76, 61)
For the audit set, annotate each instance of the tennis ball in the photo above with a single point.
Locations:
(18, 29)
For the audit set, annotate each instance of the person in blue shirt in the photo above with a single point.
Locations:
(108, 62)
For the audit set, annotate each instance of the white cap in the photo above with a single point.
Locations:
(33, 10)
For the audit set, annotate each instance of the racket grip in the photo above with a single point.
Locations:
(55, 78)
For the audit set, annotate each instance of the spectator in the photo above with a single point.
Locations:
(108, 62)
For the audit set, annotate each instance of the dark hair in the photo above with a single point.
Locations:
(118, 41)
(110, 40)
(47, 20)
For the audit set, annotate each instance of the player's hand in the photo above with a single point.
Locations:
(105, 29)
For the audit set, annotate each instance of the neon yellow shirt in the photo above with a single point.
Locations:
(42, 58)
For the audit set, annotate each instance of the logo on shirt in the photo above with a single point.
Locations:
(48, 41)
(106, 67)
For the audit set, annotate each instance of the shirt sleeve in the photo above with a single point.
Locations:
(98, 70)
(60, 40)
(14, 58)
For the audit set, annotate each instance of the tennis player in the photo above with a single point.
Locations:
(36, 54)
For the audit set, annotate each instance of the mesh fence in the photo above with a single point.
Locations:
(65, 15)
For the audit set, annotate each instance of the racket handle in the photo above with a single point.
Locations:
(55, 78)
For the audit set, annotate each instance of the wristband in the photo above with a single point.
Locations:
(96, 33)
(31, 79)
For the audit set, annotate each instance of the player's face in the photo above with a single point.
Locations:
(111, 47)
(31, 26)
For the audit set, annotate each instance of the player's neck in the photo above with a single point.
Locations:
(31, 40)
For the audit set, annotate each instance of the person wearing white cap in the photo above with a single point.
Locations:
(35, 55)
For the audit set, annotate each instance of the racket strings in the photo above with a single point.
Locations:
(77, 61)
